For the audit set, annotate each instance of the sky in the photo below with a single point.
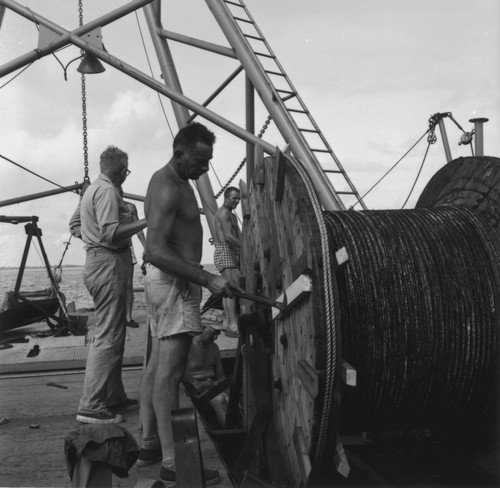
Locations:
(371, 72)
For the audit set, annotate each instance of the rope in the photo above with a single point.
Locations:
(16, 75)
(417, 177)
(392, 167)
(330, 378)
(152, 75)
(33, 173)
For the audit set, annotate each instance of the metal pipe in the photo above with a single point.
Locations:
(250, 125)
(65, 35)
(444, 136)
(223, 85)
(2, 12)
(191, 41)
(285, 123)
(478, 134)
(181, 112)
(35, 196)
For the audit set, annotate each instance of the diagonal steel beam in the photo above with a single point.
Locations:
(143, 78)
(64, 40)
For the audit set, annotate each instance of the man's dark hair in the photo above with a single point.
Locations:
(193, 133)
(229, 189)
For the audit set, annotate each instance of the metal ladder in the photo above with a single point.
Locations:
(312, 136)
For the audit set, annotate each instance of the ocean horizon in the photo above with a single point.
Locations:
(72, 286)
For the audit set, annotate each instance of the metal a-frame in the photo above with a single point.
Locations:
(264, 75)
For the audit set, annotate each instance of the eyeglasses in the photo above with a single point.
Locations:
(126, 171)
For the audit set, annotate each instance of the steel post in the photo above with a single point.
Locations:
(478, 134)
(446, 144)
(181, 112)
(250, 125)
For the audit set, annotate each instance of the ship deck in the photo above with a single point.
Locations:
(38, 415)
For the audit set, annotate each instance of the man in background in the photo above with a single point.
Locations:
(227, 252)
(204, 370)
(102, 224)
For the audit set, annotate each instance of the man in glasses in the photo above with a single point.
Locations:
(105, 229)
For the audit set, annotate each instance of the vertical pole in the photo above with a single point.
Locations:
(22, 267)
(446, 144)
(181, 113)
(478, 134)
(250, 125)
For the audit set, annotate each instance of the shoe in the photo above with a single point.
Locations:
(149, 456)
(212, 477)
(103, 417)
(133, 324)
(129, 402)
(232, 333)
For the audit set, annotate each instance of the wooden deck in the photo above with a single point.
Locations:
(39, 416)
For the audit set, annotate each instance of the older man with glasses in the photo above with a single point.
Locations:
(105, 229)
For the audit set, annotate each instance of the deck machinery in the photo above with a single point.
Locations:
(391, 316)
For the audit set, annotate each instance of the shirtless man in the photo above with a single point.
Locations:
(204, 369)
(227, 253)
(173, 291)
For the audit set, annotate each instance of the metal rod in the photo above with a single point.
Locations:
(2, 12)
(478, 134)
(181, 112)
(275, 106)
(35, 196)
(444, 137)
(65, 35)
(191, 41)
(223, 85)
(250, 125)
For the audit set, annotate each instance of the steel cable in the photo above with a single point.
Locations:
(418, 313)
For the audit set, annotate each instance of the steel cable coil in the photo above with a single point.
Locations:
(419, 302)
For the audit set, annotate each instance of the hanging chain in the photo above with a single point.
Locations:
(84, 108)
(261, 133)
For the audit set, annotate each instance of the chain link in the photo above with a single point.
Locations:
(84, 107)
(261, 133)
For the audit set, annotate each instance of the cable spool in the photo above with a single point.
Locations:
(418, 306)
(414, 311)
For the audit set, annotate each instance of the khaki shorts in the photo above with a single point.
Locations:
(173, 304)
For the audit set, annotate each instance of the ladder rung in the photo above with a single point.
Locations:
(264, 54)
(345, 192)
(279, 90)
(233, 3)
(243, 20)
(300, 111)
(337, 171)
(320, 150)
(277, 73)
(250, 36)
(284, 99)
(309, 130)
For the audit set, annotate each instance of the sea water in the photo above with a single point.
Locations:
(71, 285)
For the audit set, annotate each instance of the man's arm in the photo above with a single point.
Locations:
(140, 234)
(75, 223)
